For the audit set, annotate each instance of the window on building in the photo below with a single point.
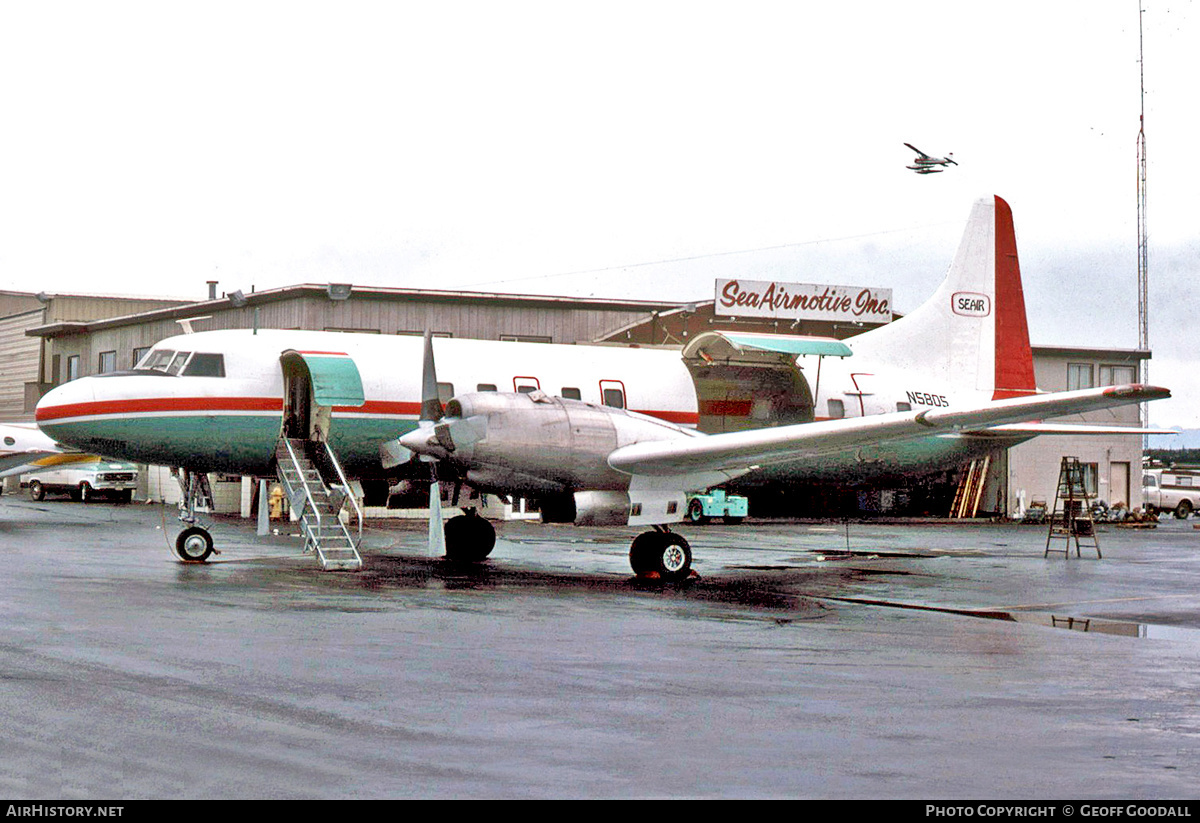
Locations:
(1117, 375)
(1090, 474)
(73, 367)
(1079, 376)
(107, 362)
(138, 354)
(525, 338)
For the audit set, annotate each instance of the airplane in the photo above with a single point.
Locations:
(926, 164)
(24, 449)
(599, 435)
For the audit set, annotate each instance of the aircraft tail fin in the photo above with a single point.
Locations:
(972, 332)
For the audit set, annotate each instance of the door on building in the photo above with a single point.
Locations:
(1118, 483)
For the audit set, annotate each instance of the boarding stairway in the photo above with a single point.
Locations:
(317, 490)
(1071, 515)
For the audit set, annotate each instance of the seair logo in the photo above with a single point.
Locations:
(971, 304)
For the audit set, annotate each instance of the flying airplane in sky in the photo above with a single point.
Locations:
(599, 435)
(926, 164)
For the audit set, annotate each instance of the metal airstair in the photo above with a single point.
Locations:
(317, 490)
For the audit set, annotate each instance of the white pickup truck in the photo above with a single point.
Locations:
(1176, 490)
(86, 481)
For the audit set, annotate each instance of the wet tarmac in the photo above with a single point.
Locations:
(807, 660)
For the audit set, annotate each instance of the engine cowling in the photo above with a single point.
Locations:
(536, 444)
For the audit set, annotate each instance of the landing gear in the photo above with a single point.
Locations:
(661, 554)
(194, 544)
(469, 538)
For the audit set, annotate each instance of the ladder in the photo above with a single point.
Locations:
(970, 488)
(1071, 515)
(312, 494)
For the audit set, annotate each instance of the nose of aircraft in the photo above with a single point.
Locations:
(63, 402)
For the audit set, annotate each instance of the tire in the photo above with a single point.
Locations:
(469, 539)
(1183, 509)
(665, 555)
(194, 545)
(695, 512)
(36, 490)
(86, 493)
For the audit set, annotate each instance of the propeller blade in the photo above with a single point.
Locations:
(437, 528)
(431, 405)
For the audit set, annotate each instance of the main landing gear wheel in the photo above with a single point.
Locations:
(661, 554)
(194, 544)
(469, 538)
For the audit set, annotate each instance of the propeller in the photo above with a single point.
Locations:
(431, 413)
(435, 439)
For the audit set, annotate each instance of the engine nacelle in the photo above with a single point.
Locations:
(540, 445)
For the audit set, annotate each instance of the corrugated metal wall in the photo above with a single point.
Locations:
(18, 363)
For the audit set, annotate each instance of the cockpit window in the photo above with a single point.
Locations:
(156, 360)
(177, 363)
(205, 365)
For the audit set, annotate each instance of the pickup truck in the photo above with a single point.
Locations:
(86, 481)
(1176, 490)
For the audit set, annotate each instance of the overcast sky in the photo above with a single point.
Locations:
(614, 149)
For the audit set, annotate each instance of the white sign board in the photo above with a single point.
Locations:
(802, 301)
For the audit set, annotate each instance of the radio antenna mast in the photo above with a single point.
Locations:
(1143, 240)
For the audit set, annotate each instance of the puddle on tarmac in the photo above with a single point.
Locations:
(1093, 625)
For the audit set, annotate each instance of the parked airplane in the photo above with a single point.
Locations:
(24, 449)
(600, 435)
(927, 164)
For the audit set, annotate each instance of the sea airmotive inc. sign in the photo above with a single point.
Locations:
(802, 301)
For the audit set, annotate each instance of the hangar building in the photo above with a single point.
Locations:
(47, 340)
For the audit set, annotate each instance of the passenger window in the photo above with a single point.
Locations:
(903, 406)
(486, 387)
(837, 409)
(571, 394)
(205, 365)
(614, 398)
(445, 392)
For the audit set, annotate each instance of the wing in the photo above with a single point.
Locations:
(737, 453)
(918, 151)
(26, 449)
(24, 462)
